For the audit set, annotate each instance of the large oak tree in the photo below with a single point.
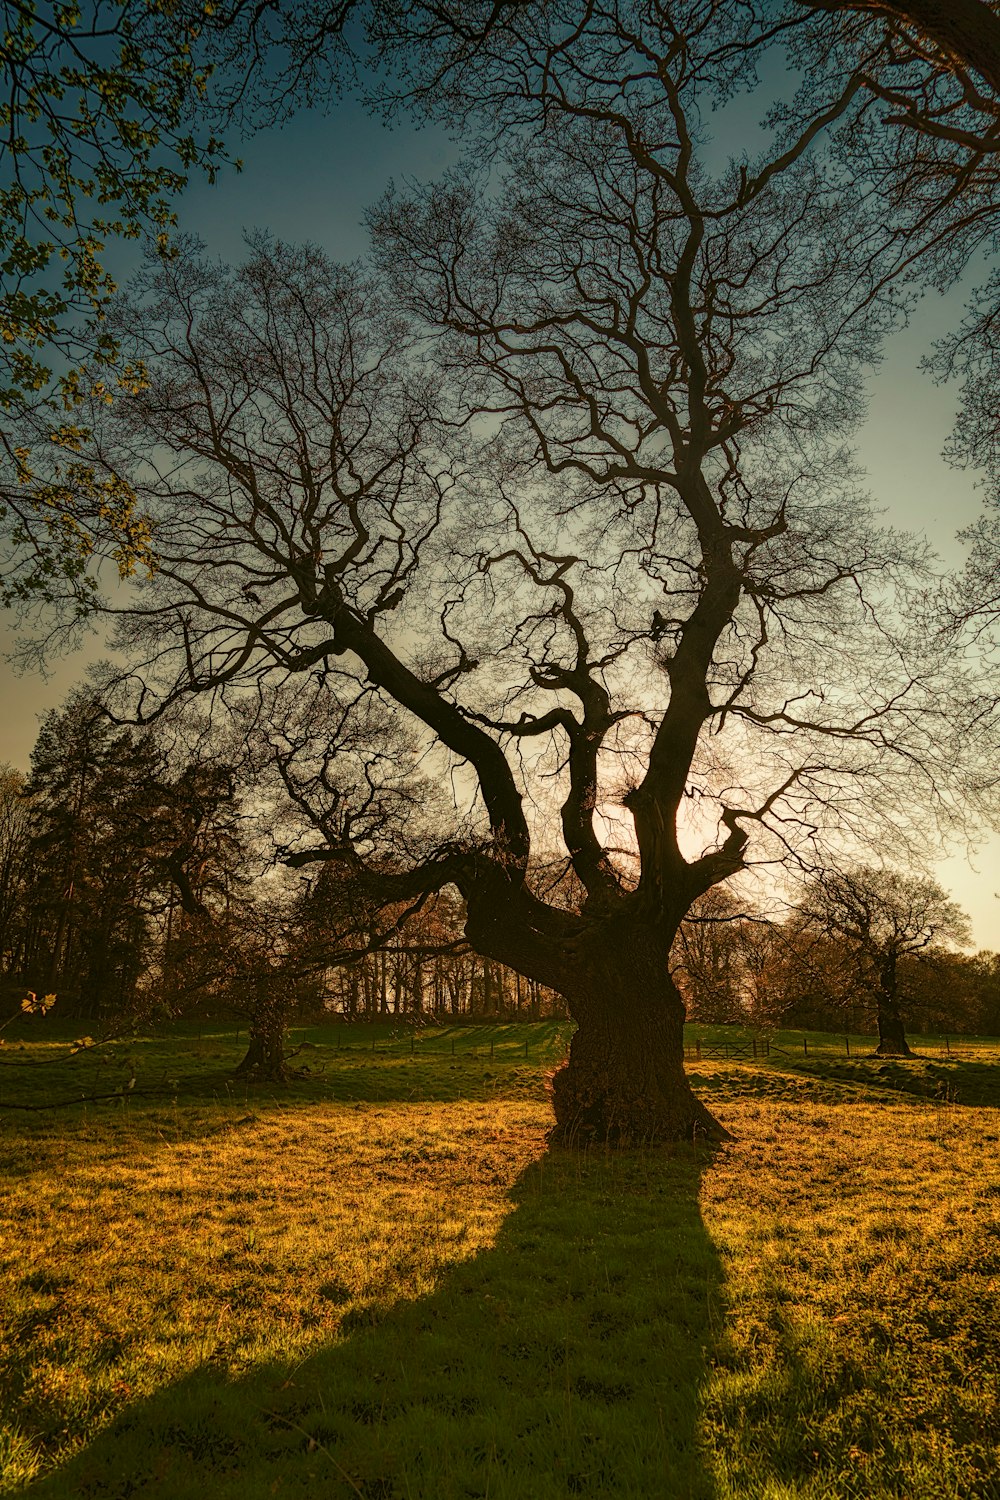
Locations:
(562, 485)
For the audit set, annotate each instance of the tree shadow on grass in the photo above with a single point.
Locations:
(569, 1359)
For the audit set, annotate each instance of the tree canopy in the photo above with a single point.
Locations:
(538, 539)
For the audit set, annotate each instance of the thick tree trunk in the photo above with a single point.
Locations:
(624, 1081)
(265, 1055)
(891, 1035)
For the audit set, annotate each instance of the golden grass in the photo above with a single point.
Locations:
(126, 1263)
(861, 1246)
(416, 1299)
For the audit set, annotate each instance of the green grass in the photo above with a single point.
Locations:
(380, 1282)
(195, 1064)
(796, 1043)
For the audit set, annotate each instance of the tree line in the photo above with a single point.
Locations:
(863, 950)
(130, 889)
(134, 889)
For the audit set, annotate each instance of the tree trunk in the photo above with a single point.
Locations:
(265, 1055)
(891, 1035)
(623, 1082)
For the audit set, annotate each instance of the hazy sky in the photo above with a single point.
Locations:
(313, 180)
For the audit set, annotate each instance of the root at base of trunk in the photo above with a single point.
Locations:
(593, 1107)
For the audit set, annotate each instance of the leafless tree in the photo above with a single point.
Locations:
(564, 489)
(883, 917)
(927, 129)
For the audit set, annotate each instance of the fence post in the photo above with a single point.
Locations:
(767, 1046)
(947, 1046)
(805, 1046)
(848, 1041)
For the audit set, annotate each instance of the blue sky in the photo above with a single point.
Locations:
(313, 180)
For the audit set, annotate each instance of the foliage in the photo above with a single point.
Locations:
(91, 878)
(99, 129)
(102, 842)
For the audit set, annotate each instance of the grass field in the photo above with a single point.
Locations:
(380, 1282)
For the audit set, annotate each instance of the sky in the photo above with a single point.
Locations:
(313, 180)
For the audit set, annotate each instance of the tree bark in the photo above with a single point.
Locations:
(265, 1056)
(967, 31)
(891, 1034)
(624, 1082)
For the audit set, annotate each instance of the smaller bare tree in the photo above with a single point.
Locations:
(882, 916)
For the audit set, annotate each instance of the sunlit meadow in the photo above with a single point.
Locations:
(380, 1282)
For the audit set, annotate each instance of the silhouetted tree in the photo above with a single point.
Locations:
(883, 918)
(90, 793)
(640, 583)
(14, 870)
